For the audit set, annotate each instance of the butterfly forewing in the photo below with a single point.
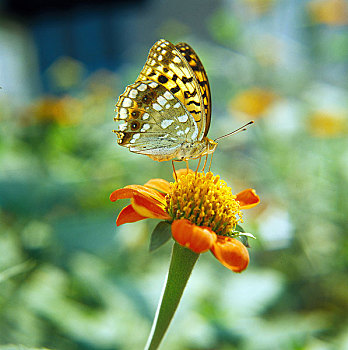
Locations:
(191, 57)
(168, 67)
(156, 123)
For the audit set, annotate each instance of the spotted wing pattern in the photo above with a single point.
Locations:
(156, 123)
(191, 57)
(167, 66)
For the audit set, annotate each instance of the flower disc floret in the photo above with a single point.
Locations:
(204, 200)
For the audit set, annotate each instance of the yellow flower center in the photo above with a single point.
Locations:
(205, 200)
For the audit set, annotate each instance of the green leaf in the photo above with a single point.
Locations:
(247, 234)
(239, 228)
(240, 233)
(16, 270)
(244, 240)
(160, 235)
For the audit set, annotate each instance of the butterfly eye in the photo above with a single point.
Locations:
(134, 114)
(145, 99)
(134, 125)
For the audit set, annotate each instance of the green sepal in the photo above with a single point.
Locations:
(160, 235)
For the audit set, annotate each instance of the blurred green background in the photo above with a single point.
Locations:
(69, 279)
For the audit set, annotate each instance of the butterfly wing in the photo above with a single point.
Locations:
(168, 67)
(191, 57)
(156, 123)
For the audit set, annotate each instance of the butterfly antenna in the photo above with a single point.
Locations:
(242, 128)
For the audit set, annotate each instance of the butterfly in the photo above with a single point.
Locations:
(166, 113)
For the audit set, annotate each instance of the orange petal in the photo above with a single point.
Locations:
(198, 239)
(181, 172)
(248, 198)
(159, 185)
(127, 215)
(144, 206)
(231, 253)
(131, 190)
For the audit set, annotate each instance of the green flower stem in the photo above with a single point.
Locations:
(181, 265)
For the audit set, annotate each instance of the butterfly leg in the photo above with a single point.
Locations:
(211, 159)
(199, 163)
(175, 175)
(187, 166)
(205, 162)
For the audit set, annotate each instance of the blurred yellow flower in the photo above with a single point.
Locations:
(259, 7)
(64, 111)
(323, 124)
(66, 73)
(330, 12)
(253, 102)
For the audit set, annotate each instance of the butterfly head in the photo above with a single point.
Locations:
(192, 150)
(210, 146)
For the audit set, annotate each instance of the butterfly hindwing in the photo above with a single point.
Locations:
(166, 113)
(155, 121)
(168, 67)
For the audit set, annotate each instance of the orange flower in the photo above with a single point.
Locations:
(201, 208)
(66, 110)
